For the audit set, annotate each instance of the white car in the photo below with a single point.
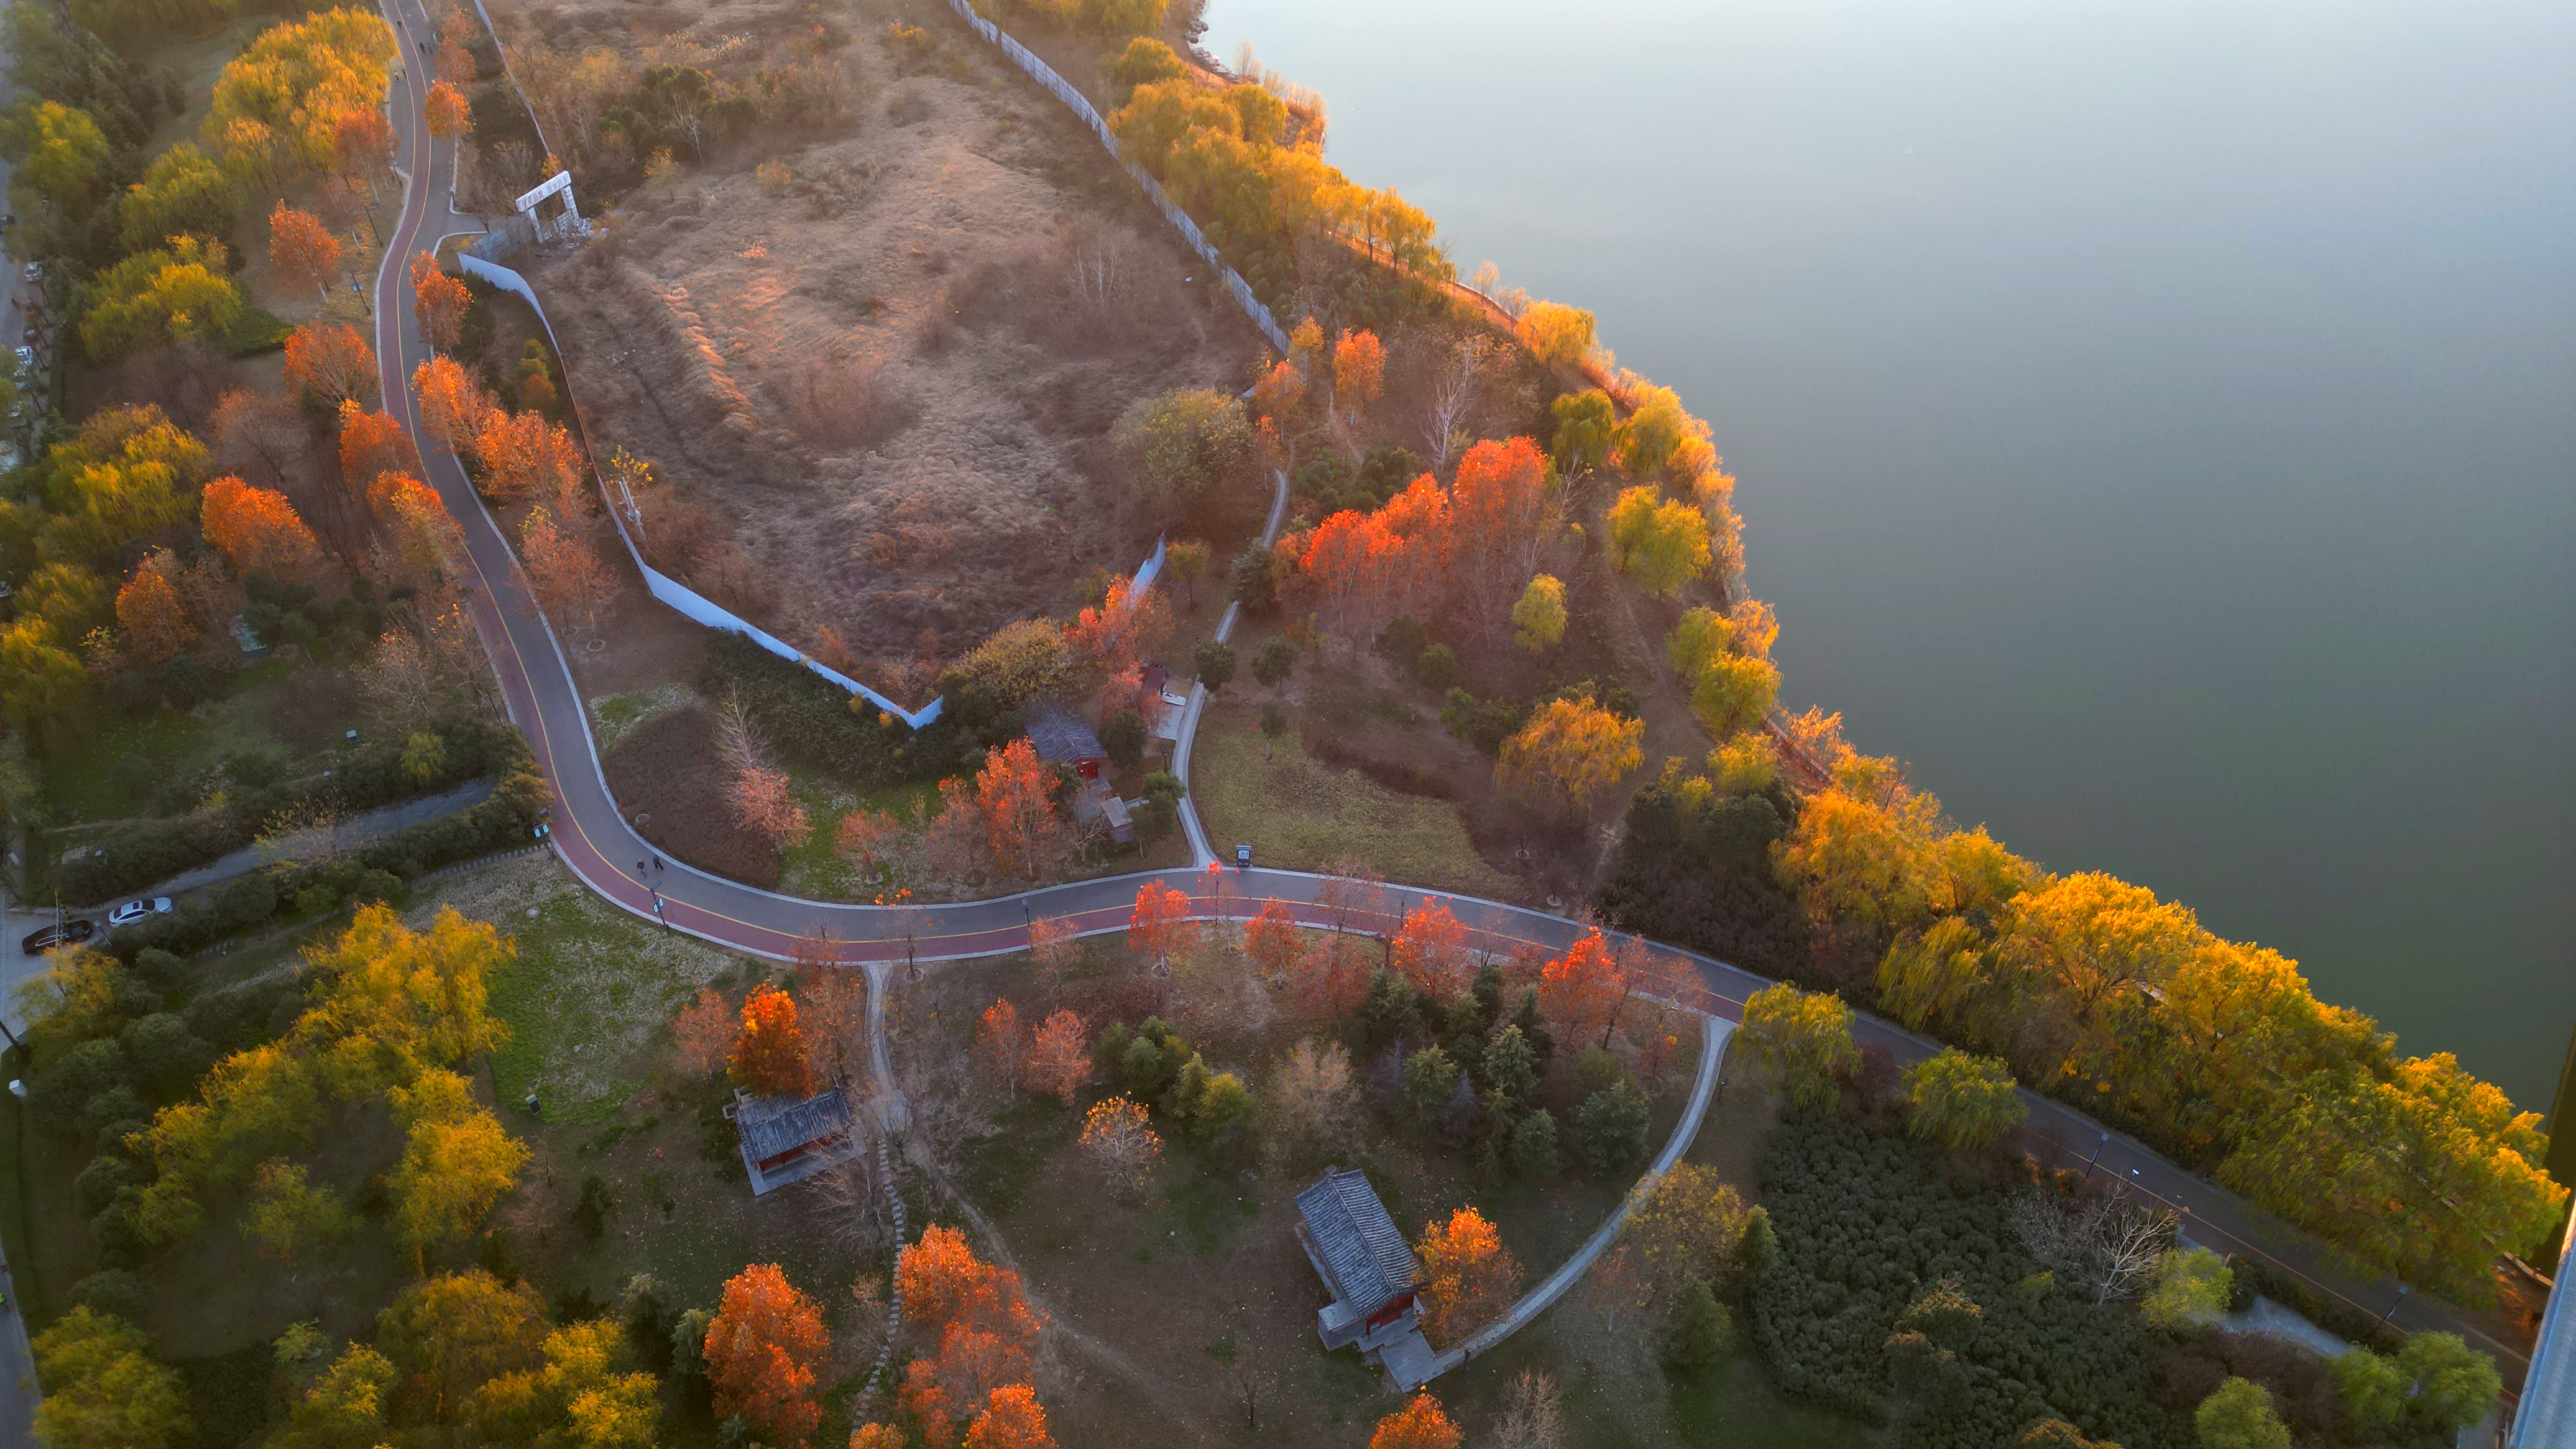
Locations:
(133, 911)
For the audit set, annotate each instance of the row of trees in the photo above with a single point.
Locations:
(2215, 1050)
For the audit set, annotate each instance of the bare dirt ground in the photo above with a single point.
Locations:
(884, 379)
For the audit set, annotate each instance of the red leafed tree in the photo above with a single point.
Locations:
(1059, 1057)
(1273, 942)
(425, 533)
(1051, 949)
(705, 1032)
(372, 444)
(331, 361)
(155, 615)
(1431, 952)
(1125, 627)
(1012, 1419)
(1468, 1276)
(1359, 371)
(1344, 563)
(260, 531)
(452, 403)
(763, 1349)
(1420, 1424)
(569, 575)
(957, 847)
(1581, 990)
(1499, 509)
(1159, 925)
(438, 302)
(978, 1317)
(527, 459)
(1280, 395)
(446, 111)
(865, 838)
(764, 802)
(362, 144)
(1424, 530)
(998, 1047)
(1012, 791)
(769, 1056)
(302, 248)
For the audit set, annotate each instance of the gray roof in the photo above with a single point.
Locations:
(1059, 736)
(1362, 1254)
(772, 1125)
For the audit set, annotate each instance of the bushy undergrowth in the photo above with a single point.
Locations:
(811, 720)
(1697, 870)
(1866, 1223)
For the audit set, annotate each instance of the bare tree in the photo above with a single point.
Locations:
(2108, 1244)
(853, 1206)
(1531, 1419)
(1453, 396)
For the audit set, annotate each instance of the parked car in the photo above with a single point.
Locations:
(70, 933)
(27, 359)
(33, 272)
(133, 911)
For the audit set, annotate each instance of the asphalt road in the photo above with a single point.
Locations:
(595, 840)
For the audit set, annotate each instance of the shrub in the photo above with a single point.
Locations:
(1124, 738)
(1614, 1122)
(116, 1291)
(1702, 1334)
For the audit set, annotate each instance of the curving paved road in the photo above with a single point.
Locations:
(595, 841)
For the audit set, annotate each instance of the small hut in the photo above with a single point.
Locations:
(1371, 1272)
(789, 1139)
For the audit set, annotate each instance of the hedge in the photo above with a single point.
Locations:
(1866, 1221)
(365, 778)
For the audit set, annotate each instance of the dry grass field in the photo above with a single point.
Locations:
(879, 367)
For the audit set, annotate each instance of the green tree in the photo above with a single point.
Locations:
(1429, 1078)
(1962, 1101)
(2240, 1416)
(1804, 1041)
(102, 1388)
(1511, 1065)
(1584, 422)
(1661, 544)
(2374, 1390)
(184, 192)
(155, 298)
(1275, 660)
(1614, 1123)
(60, 156)
(289, 1213)
(1215, 661)
(2454, 1385)
(2189, 1290)
(1538, 620)
(453, 1333)
(346, 1408)
(1533, 1149)
(1702, 1334)
(1144, 61)
(1183, 443)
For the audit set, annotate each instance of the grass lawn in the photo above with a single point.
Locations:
(589, 986)
(1299, 814)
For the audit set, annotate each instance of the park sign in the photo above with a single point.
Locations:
(560, 181)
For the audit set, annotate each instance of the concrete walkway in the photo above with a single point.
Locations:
(354, 831)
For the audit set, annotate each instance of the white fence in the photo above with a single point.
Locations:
(1045, 75)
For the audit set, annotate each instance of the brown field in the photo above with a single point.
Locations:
(882, 383)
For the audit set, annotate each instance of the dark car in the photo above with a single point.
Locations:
(71, 933)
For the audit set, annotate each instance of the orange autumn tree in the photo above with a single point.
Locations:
(1431, 952)
(769, 1057)
(1012, 791)
(763, 1349)
(372, 444)
(1568, 755)
(302, 248)
(1468, 1276)
(438, 303)
(331, 361)
(1500, 517)
(1583, 988)
(1420, 1424)
(997, 1044)
(1059, 1057)
(978, 1319)
(446, 111)
(157, 620)
(1012, 1419)
(1159, 925)
(425, 534)
(705, 1032)
(866, 839)
(527, 459)
(1359, 370)
(566, 570)
(1125, 626)
(260, 531)
(362, 144)
(1273, 943)
(452, 404)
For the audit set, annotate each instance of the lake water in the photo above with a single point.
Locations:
(2157, 423)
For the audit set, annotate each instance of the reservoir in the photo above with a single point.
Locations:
(2157, 423)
